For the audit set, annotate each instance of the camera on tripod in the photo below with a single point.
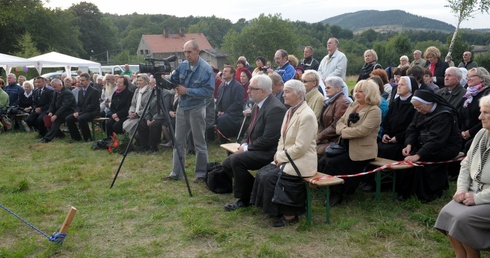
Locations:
(159, 70)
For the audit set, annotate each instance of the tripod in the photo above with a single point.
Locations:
(155, 92)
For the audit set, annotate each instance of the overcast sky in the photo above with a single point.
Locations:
(305, 10)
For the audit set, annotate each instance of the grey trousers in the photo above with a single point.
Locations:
(187, 121)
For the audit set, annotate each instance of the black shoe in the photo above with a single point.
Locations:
(170, 178)
(237, 205)
(199, 180)
(335, 199)
(282, 222)
(61, 135)
(43, 141)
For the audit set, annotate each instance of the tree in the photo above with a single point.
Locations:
(463, 10)
(95, 33)
(27, 47)
(262, 37)
(213, 28)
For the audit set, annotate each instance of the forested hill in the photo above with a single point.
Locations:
(383, 21)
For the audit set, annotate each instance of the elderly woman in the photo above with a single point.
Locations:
(314, 99)
(150, 131)
(138, 103)
(466, 219)
(334, 109)
(404, 61)
(399, 116)
(436, 65)
(358, 128)
(120, 104)
(371, 63)
(478, 82)
(26, 98)
(298, 141)
(433, 135)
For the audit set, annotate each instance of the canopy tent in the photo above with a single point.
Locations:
(54, 59)
(8, 61)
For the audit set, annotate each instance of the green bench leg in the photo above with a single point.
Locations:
(327, 203)
(378, 185)
(308, 204)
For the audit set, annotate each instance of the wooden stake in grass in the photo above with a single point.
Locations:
(60, 236)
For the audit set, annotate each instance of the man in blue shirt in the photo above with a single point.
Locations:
(13, 90)
(285, 69)
(195, 80)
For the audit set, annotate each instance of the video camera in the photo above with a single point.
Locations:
(159, 70)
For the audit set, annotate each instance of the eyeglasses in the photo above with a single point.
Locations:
(472, 76)
(305, 81)
(328, 87)
(252, 88)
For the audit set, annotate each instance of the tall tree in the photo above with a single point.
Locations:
(95, 33)
(463, 10)
(27, 47)
(262, 37)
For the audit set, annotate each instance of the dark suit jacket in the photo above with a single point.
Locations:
(42, 100)
(267, 129)
(230, 99)
(63, 103)
(88, 103)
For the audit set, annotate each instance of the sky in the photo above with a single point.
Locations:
(294, 10)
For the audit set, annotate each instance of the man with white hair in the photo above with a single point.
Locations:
(417, 59)
(334, 63)
(452, 92)
(259, 142)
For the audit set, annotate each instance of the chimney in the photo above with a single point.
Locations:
(181, 32)
(165, 33)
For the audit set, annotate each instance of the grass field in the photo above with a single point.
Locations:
(144, 216)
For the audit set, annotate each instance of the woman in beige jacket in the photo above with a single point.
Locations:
(358, 129)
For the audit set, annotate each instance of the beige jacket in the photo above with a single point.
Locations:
(299, 141)
(361, 135)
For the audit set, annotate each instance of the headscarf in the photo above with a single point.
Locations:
(429, 97)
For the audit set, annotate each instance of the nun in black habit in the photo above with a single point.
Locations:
(433, 135)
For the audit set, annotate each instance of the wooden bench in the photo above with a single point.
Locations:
(319, 181)
(97, 122)
(381, 175)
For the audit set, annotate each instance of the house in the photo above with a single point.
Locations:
(164, 45)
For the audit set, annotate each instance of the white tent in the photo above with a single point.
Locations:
(8, 61)
(54, 59)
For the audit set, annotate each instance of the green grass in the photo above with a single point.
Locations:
(143, 216)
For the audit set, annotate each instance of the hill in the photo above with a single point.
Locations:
(384, 21)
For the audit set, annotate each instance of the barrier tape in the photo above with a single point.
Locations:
(403, 162)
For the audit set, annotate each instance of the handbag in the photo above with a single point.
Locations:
(290, 190)
(335, 149)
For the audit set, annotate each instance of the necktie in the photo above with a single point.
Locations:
(252, 124)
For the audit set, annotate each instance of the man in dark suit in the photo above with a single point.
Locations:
(63, 104)
(229, 105)
(41, 99)
(260, 141)
(86, 110)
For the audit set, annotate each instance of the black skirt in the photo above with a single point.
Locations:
(263, 191)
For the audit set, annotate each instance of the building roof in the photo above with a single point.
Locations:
(174, 42)
(215, 52)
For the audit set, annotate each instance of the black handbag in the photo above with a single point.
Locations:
(290, 190)
(335, 149)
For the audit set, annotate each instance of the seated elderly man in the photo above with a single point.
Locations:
(41, 99)
(229, 104)
(259, 143)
